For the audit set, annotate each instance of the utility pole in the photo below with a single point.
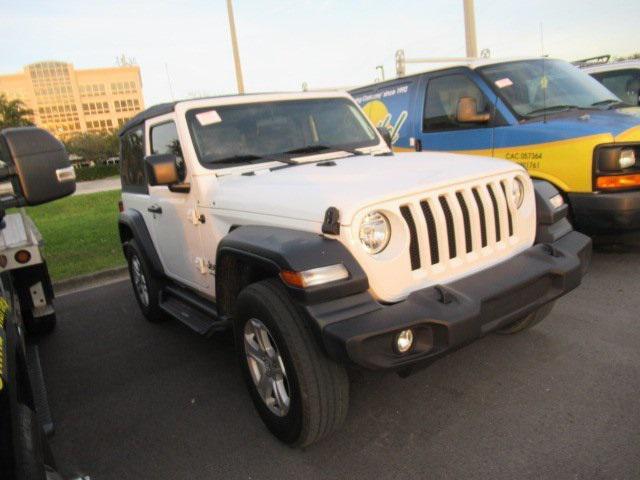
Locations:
(470, 29)
(234, 44)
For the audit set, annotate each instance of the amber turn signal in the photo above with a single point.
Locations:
(315, 276)
(22, 256)
(618, 181)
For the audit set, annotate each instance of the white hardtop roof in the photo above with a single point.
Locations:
(260, 97)
(182, 105)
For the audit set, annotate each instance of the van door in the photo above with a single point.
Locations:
(176, 221)
(388, 106)
(438, 127)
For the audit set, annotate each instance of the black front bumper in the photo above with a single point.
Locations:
(361, 331)
(606, 212)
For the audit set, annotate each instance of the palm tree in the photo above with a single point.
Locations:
(14, 113)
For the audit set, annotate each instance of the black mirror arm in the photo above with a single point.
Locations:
(180, 187)
(7, 171)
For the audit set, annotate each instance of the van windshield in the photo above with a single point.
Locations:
(538, 87)
(232, 135)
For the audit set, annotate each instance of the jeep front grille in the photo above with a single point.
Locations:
(460, 224)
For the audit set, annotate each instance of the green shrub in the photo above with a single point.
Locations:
(84, 174)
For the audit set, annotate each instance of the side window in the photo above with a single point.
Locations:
(164, 139)
(441, 103)
(625, 84)
(132, 172)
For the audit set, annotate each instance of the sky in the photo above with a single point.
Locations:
(183, 47)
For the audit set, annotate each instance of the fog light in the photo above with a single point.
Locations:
(557, 201)
(404, 341)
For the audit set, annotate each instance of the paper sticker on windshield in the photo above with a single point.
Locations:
(208, 118)
(544, 82)
(503, 83)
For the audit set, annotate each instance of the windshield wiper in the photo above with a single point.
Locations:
(610, 103)
(321, 148)
(552, 108)
(308, 149)
(248, 158)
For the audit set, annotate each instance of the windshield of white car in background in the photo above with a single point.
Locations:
(539, 87)
(233, 135)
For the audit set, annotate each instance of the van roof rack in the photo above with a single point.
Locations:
(592, 61)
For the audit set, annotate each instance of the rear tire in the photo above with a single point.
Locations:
(527, 322)
(308, 395)
(29, 448)
(146, 287)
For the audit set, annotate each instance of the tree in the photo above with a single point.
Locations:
(14, 113)
(93, 146)
(633, 56)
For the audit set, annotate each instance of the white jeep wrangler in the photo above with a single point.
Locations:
(287, 218)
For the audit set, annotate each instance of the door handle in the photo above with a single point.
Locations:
(155, 209)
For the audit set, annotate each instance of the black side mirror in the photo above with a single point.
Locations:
(37, 164)
(162, 169)
(386, 135)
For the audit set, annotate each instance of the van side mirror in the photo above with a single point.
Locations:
(386, 135)
(162, 169)
(37, 164)
(468, 111)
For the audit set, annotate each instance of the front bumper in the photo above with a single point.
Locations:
(606, 212)
(361, 331)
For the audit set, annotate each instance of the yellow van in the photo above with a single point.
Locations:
(547, 115)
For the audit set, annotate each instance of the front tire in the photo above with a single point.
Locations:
(146, 287)
(300, 394)
(29, 445)
(527, 322)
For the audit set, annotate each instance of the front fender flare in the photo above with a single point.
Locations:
(275, 249)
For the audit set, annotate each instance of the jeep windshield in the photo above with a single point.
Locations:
(534, 88)
(233, 135)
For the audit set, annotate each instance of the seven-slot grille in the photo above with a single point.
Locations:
(460, 223)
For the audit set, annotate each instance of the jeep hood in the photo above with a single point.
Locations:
(304, 192)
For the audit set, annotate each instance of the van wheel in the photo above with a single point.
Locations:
(300, 394)
(529, 321)
(146, 287)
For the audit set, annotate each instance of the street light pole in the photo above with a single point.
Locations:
(470, 29)
(234, 44)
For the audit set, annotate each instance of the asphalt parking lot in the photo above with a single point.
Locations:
(132, 400)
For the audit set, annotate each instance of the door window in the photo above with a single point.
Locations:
(164, 139)
(441, 103)
(132, 172)
(624, 83)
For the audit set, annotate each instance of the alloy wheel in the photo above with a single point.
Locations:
(266, 367)
(139, 280)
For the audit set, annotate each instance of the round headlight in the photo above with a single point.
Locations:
(375, 232)
(517, 192)
(627, 158)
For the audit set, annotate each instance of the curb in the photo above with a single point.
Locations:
(91, 280)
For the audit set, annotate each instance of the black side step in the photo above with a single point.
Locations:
(39, 390)
(194, 311)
